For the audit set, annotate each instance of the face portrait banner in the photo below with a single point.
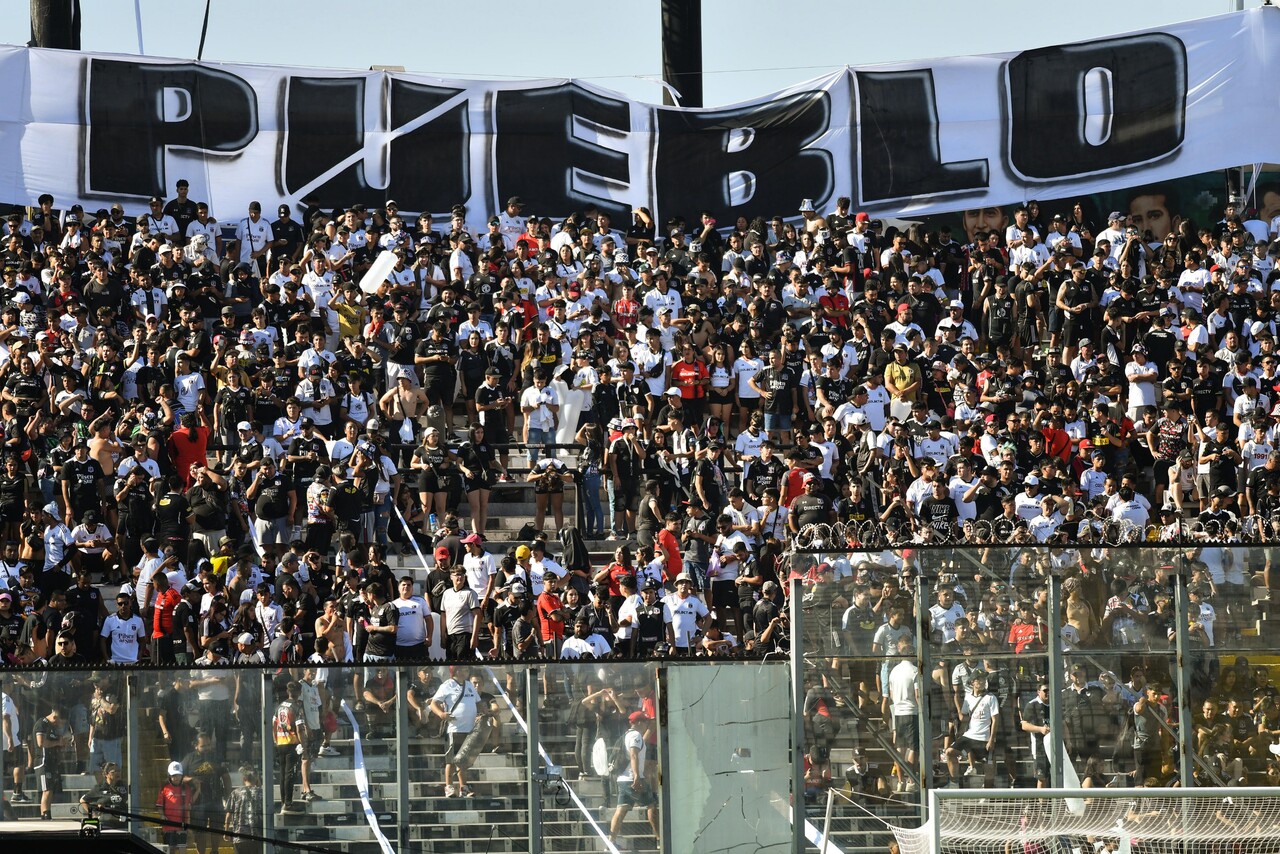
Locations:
(904, 139)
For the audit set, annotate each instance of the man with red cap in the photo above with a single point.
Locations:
(634, 789)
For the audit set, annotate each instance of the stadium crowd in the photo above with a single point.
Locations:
(226, 427)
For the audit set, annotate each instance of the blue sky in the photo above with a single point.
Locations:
(749, 47)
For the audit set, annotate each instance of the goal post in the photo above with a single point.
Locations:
(1095, 821)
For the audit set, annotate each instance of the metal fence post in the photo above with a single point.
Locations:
(797, 717)
(1182, 667)
(266, 712)
(402, 756)
(664, 758)
(533, 760)
(1056, 669)
(133, 754)
(924, 637)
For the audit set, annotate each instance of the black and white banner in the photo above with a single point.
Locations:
(908, 139)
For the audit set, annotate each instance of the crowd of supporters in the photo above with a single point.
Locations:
(233, 424)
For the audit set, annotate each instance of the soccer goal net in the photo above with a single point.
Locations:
(1097, 821)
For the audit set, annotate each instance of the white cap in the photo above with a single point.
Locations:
(164, 247)
(806, 206)
(244, 425)
(858, 418)
(674, 391)
(175, 768)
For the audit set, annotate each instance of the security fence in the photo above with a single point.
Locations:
(976, 666)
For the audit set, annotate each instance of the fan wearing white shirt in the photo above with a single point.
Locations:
(584, 642)
(254, 237)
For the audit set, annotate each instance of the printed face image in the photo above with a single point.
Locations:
(1150, 212)
(984, 220)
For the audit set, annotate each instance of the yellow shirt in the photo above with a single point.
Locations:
(901, 376)
(350, 319)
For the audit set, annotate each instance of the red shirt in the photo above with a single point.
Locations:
(687, 377)
(187, 447)
(551, 629)
(617, 572)
(625, 313)
(174, 803)
(836, 302)
(792, 486)
(675, 564)
(162, 621)
(1021, 636)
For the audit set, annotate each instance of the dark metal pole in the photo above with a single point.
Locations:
(797, 716)
(1057, 756)
(682, 51)
(56, 24)
(533, 777)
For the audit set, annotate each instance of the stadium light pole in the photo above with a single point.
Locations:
(682, 52)
(55, 24)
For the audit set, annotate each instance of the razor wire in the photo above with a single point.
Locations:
(870, 534)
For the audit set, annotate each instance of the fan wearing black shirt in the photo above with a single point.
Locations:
(381, 625)
(777, 385)
(938, 511)
(275, 503)
(84, 485)
(811, 508)
(764, 473)
(437, 355)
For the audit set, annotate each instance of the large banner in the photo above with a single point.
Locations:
(907, 139)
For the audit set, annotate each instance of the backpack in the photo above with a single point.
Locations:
(618, 758)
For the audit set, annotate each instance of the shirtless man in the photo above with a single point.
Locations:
(405, 401)
(105, 447)
(332, 626)
(812, 219)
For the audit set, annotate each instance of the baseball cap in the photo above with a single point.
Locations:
(523, 552)
(684, 576)
(442, 552)
(858, 418)
(636, 717)
(862, 216)
(243, 637)
(471, 538)
(175, 768)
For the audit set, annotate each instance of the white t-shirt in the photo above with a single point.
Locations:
(411, 628)
(944, 620)
(125, 636)
(632, 741)
(479, 569)
(253, 237)
(1141, 392)
(10, 710)
(903, 680)
(593, 644)
(684, 616)
(463, 699)
(188, 387)
(981, 711)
